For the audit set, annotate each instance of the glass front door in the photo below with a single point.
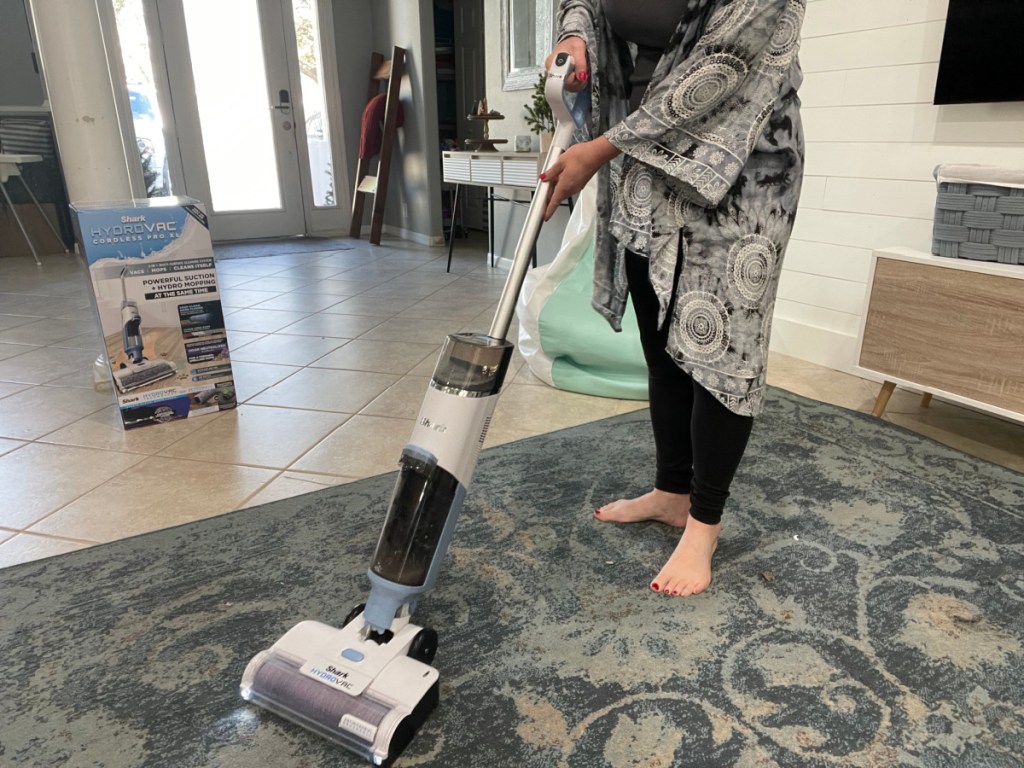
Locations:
(244, 83)
(234, 113)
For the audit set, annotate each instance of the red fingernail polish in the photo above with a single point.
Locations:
(582, 77)
(543, 177)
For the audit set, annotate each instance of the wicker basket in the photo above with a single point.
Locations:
(979, 220)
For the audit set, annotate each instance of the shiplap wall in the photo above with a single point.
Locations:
(873, 140)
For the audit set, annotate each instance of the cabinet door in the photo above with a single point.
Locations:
(949, 329)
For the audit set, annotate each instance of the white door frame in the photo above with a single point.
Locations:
(334, 220)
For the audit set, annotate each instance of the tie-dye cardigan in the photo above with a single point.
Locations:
(710, 172)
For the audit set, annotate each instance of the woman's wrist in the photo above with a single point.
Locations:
(604, 149)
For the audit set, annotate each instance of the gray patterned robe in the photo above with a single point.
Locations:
(715, 151)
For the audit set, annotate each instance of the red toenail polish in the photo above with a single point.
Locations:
(655, 587)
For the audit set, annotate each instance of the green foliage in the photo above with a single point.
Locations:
(538, 111)
(305, 37)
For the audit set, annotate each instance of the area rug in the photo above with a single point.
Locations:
(867, 610)
(248, 249)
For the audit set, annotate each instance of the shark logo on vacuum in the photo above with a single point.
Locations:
(330, 675)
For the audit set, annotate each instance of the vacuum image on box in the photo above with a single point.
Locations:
(138, 371)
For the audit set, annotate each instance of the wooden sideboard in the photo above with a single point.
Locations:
(952, 328)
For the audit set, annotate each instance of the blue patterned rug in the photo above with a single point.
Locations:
(867, 610)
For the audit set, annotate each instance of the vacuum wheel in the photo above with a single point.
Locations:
(424, 646)
(353, 614)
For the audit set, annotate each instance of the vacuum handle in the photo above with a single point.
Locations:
(554, 91)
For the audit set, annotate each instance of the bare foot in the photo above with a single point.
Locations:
(669, 508)
(688, 570)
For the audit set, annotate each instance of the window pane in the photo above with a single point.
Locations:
(314, 101)
(226, 50)
(138, 70)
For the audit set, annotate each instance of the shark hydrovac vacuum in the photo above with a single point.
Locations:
(369, 685)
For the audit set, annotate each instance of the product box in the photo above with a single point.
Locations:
(154, 287)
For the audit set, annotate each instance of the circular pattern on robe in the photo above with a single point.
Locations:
(638, 188)
(785, 43)
(751, 268)
(701, 330)
(705, 85)
(727, 18)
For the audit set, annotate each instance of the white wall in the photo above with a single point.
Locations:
(353, 45)
(413, 207)
(512, 104)
(873, 140)
(509, 219)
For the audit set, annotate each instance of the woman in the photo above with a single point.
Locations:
(698, 149)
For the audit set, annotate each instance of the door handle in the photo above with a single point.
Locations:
(283, 101)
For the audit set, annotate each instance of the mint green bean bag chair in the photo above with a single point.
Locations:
(564, 341)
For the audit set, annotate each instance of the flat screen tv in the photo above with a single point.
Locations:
(982, 58)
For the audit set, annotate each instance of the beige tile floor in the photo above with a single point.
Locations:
(332, 351)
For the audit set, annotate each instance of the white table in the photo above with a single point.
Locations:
(10, 167)
(490, 170)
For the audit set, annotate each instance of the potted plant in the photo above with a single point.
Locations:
(538, 115)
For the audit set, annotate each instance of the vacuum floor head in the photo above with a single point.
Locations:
(365, 692)
(138, 375)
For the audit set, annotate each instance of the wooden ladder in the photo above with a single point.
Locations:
(391, 73)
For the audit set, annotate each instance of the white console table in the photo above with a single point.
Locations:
(952, 328)
(489, 169)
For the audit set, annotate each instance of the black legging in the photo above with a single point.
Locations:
(698, 441)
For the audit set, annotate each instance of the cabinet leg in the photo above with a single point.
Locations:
(451, 236)
(490, 222)
(926, 399)
(883, 398)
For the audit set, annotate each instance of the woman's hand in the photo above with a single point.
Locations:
(577, 48)
(569, 174)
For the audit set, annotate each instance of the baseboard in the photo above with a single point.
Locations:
(408, 234)
(814, 344)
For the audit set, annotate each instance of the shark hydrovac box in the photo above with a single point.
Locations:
(154, 287)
